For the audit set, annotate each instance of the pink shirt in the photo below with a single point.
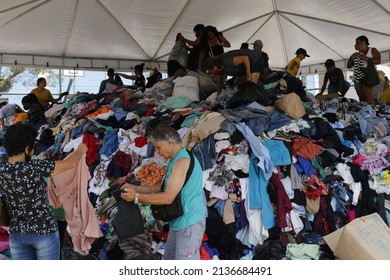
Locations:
(69, 190)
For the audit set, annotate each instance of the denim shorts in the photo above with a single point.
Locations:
(26, 246)
(334, 88)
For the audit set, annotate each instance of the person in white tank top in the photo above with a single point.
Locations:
(364, 53)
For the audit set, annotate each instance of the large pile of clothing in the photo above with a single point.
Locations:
(277, 178)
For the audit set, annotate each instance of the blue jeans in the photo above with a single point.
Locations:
(26, 246)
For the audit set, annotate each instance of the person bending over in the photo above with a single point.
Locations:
(335, 76)
(237, 63)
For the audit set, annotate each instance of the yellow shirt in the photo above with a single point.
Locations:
(385, 97)
(297, 63)
(44, 96)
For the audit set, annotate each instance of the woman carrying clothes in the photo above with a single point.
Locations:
(33, 227)
(358, 61)
(194, 47)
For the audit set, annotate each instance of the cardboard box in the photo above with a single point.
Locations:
(365, 238)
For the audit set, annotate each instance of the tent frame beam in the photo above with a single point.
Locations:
(25, 12)
(334, 22)
(122, 27)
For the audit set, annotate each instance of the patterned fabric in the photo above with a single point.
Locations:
(136, 246)
(25, 190)
(147, 216)
(357, 68)
(36, 114)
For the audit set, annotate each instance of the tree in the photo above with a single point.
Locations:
(26, 76)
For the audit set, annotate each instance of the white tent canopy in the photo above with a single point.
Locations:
(94, 34)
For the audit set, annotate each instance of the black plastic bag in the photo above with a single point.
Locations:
(371, 77)
(249, 93)
(128, 220)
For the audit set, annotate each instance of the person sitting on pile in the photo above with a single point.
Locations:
(44, 95)
(111, 84)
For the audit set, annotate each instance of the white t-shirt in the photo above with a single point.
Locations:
(7, 113)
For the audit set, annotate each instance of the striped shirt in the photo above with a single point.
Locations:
(357, 68)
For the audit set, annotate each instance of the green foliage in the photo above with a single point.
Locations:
(26, 76)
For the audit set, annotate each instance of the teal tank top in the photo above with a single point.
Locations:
(194, 208)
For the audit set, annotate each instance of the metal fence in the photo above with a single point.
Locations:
(57, 82)
(89, 81)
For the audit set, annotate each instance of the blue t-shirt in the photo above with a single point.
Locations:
(194, 208)
(335, 77)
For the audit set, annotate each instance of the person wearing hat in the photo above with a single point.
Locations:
(111, 81)
(335, 76)
(293, 67)
(258, 47)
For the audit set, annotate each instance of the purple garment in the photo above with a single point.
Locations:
(375, 164)
(243, 218)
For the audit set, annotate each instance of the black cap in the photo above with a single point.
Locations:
(329, 62)
(110, 71)
(302, 51)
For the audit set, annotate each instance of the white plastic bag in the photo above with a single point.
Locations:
(186, 86)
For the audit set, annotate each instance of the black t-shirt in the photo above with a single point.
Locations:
(24, 186)
(255, 59)
(140, 81)
(265, 59)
